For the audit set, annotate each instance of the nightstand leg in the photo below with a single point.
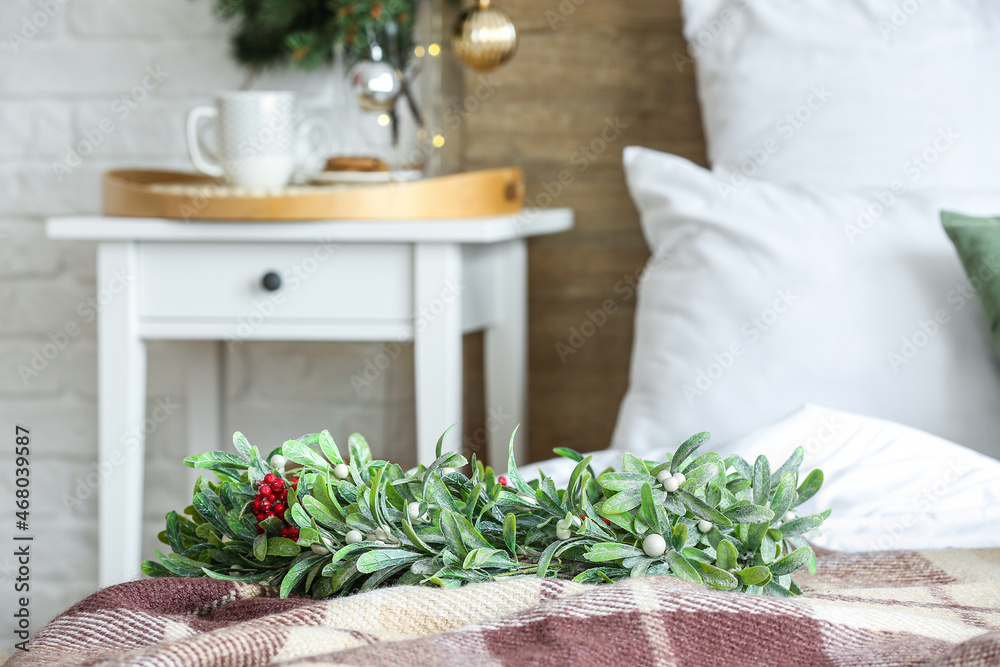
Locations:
(437, 346)
(507, 355)
(204, 401)
(121, 414)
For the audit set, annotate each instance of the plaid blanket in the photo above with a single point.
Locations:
(888, 608)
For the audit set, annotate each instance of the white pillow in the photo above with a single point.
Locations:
(889, 486)
(856, 92)
(763, 298)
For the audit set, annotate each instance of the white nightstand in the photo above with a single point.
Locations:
(426, 281)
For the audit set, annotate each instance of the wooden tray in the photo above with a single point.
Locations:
(186, 196)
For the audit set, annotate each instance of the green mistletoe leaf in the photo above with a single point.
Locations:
(568, 453)
(602, 552)
(215, 461)
(726, 555)
(260, 547)
(624, 481)
(282, 546)
(715, 577)
(808, 488)
(761, 481)
(244, 578)
(304, 455)
(649, 508)
(633, 464)
(510, 533)
(329, 448)
(740, 465)
(704, 473)
(623, 501)
(174, 537)
(759, 575)
(783, 496)
(683, 568)
(437, 493)
(789, 466)
(243, 448)
(775, 589)
(749, 514)
(297, 571)
(679, 536)
(453, 534)
(513, 474)
(791, 562)
(373, 561)
(700, 509)
(801, 525)
(689, 447)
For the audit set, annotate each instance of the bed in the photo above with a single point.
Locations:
(891, 608)
(802, 292)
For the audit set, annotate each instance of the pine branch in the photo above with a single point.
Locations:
(306, 33)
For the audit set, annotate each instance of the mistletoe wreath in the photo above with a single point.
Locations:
(334, 527)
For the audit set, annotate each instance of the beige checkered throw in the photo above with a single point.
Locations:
(887, 608)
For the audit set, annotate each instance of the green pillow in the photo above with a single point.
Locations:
(978, 243)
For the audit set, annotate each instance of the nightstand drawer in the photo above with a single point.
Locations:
(223, 281)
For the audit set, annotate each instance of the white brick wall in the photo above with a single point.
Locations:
(55, 88)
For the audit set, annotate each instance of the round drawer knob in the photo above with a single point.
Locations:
(271, 281)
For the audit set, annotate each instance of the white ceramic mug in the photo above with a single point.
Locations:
(259, 143)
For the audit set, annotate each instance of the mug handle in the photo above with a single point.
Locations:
(195, 150)
(306, 156)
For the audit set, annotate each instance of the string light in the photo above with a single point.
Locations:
(434, 49)
(438, 141)
(384, 119)
(419, 51)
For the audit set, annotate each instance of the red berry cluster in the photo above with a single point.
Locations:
(271, 500)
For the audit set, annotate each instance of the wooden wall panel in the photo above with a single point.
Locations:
(607, 59)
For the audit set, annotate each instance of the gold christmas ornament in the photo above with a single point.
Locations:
(484, 37)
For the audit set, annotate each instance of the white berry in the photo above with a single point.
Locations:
(342, 471)
(320, 550)
(278, 462)
(704, 526)
(671, 484)
(654, 545)
(679, 476)
(562, 534)
(381, 534)
(413, 510)
(370, 537)
(663, 476)
(353, 536)
(789, 515)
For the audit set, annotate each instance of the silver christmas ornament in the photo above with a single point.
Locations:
(375, 85)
